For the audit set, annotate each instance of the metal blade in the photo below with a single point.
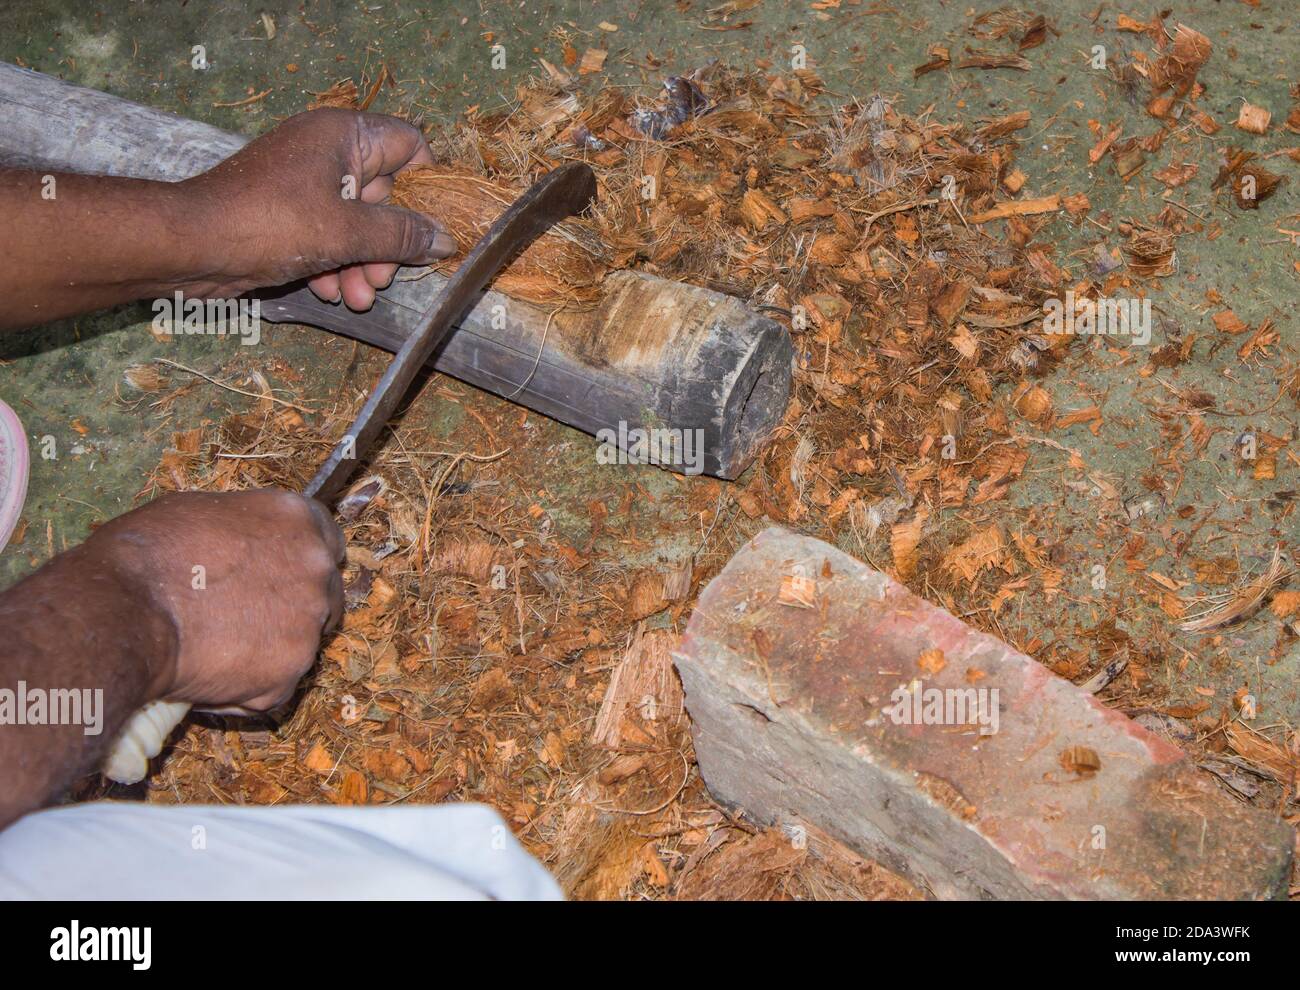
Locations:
(557, 195)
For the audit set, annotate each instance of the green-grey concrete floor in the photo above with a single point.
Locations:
(63, 380)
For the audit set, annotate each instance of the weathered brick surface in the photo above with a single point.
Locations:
(788, 700)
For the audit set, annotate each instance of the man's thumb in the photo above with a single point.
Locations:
(392, 234)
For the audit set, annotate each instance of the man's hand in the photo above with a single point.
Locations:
(306, 200)
(217, 600)
(250, 581)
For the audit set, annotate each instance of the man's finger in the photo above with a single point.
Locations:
(380, 274)
(391, 234)
(358, 293)
(377, 190)
(334, 594)
(329, 530)
(388, 144)
(326, 287)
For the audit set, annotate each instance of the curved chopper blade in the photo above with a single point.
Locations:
(558, 194)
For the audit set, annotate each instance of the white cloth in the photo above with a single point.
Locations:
(129, 851)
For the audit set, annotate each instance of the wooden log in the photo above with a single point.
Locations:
(653, 354)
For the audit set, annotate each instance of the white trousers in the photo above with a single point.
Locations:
(129, 851)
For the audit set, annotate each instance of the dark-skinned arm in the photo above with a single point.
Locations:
(217, 600)
(306, 200)
(123, 613)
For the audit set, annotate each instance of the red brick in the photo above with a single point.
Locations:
(1067, 799)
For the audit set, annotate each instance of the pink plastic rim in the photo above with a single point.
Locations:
(13, 471)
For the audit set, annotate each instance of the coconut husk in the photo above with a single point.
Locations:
(563, 267)
(1176, 69)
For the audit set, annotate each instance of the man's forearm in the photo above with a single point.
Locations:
(76, 243)
(82, 646)
(305, 201)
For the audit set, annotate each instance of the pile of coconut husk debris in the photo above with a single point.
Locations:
(484, 658)
(864, 231)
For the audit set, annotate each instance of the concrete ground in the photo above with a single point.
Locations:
(64, 379)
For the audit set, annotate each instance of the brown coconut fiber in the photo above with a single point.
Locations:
(563, 267)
